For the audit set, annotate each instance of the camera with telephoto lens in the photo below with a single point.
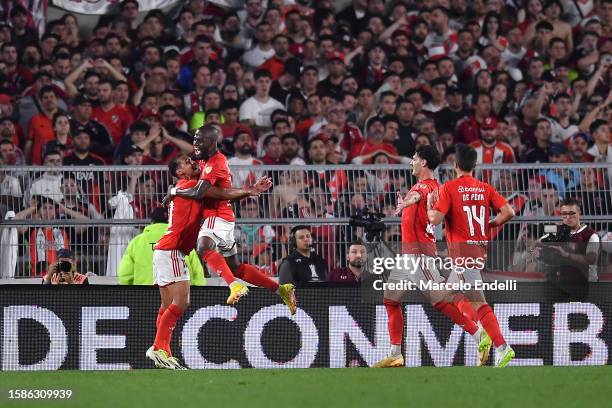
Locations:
(65, 266)
(371, 222)
(561, 235)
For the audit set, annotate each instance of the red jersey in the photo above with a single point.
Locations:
(465, 201)
(40, 132)
(417, 233)
(183, 222)
(216, 171)
(117, 120)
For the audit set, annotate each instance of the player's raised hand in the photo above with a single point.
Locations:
(263, 184)
(400, 203)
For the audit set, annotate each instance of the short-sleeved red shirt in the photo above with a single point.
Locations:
(466, 203)
(184, 216)
(417, 233)
(117, 121)
(216, 171)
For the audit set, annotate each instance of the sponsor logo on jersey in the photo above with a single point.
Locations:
(463, 189)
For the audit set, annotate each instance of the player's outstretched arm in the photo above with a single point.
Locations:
(195, 193)
(231, 194)
(505, 214)
(262, 185)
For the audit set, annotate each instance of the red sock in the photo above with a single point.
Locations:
(216, 263)
(166, 326)
(490, 324)
(160, 313)
(252, 274)
(465, 307)
(451, 311)
(395, 321)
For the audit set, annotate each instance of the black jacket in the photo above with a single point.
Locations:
(300, 270)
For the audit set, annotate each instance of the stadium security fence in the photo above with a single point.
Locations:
(117, 202)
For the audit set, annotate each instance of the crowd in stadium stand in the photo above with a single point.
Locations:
(301, 82)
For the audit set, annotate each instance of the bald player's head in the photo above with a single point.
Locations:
(205, 141)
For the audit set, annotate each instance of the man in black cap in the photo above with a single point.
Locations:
(101, 143)
(63, 272)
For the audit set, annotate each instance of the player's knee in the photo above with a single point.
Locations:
(204, 244)
(183, 304)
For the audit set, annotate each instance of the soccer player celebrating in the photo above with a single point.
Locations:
(217, 231)
(419, 244)
(464, 203)
(169, 270)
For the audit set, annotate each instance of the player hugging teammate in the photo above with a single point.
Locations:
(203, 193)
(467, 229)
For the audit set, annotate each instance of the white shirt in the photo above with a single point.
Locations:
(241, 178)
(559, 133)
(260, 112)
(257, 56)
(49, 186)
(592, 248)
(9, 186)
(602, 158)
(430, 107)
(513, 59)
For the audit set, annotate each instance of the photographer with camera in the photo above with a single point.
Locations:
(302, 265)
(570, 254)
(63, 271)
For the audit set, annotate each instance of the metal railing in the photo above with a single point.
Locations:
(82, 207)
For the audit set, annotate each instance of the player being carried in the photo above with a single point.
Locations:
(464, 204)
(170, 272)
(216, 245)
(419, 245)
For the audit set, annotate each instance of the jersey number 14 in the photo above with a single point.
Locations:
(475, 214)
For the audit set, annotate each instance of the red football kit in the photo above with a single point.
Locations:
(183, 222)
(417, 233)
(216, 171)
(465, 201)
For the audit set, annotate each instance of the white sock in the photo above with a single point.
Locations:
(476, 336)
(395, 350)
(502, 348)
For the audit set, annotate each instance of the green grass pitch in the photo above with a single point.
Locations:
(520, 387)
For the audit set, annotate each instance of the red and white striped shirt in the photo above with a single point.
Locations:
(499, 153)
